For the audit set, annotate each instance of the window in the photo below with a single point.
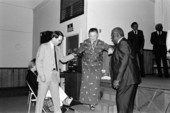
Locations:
(71, 9)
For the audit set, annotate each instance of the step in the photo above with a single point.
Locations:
(108, 94)
(84, 109)
(13, 91)
(106, 106)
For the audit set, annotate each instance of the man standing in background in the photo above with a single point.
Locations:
(136, 38)
(158, 39)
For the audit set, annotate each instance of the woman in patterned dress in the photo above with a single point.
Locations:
(92, 65)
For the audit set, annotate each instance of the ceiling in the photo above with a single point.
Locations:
(23, 3)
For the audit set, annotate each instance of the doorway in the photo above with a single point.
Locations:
(72, 44)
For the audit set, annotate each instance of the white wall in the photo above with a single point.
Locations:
(107, 14)
(47, 17)
(16, 25)
(162, 13)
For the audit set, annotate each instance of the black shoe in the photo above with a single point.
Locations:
(167, 76)
(92, 107)
(64, 109)
(75, 102)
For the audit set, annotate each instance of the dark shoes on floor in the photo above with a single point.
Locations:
(65, 108)
(92, 107)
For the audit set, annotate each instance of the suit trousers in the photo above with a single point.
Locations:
(162, 56)
(141, 63)
(42, 91)
(125, 98)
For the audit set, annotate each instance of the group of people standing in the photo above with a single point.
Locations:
(126, 67)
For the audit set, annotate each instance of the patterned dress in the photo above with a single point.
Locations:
(92, 65)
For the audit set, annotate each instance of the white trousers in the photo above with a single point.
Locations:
(62, 95)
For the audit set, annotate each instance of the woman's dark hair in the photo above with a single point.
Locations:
(56, 34)
(31, 64)
(93, 30)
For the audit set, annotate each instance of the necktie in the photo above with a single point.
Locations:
(159, 33)
(35, 72)
(55, 56)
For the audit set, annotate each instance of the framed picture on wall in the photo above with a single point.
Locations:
(70, 9)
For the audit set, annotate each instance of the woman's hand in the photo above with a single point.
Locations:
(116, 84)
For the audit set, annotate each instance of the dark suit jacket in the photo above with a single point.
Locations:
(137, 41)
(32, 80)
(123, 65)
(159, 42)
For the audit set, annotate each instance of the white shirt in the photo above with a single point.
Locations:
(135, 32)
(119, 40)
(52, 46)
(159, 32)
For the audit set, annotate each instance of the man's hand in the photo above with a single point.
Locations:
(42, 77)
(168, 55)
(110, 51)
(55, 76)
(116, 84)
(75, 55)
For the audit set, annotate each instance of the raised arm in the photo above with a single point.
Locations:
(63, 58)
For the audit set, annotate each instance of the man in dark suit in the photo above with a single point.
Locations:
(124, 71)
(158, 39)
(136, 38)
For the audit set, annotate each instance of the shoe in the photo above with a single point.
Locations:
(166, 76)
(75, 102)
(64, 109)
(68, 101)
(92, 107)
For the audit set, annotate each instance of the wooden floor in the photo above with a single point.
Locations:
(18, 103)
(156, 82)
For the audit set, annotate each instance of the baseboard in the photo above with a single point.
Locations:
(13, 91)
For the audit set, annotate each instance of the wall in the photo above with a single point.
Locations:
(107, 14)
(16, 25)
(162, 13)
(47, 17)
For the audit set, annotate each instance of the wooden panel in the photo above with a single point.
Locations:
(12, 77)
(72, 84)
(148, 56)
(148, 64)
